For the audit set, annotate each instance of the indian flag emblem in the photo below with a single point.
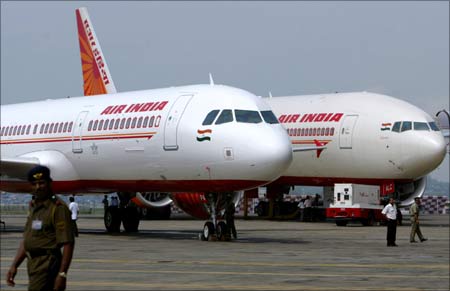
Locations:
(386, 126)
(203, 135)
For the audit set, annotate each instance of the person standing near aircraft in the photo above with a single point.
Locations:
(230, 209)
(73, 207)
(48, 228)
(390, 211)
(415, 228)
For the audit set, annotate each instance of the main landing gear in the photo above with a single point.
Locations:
(125, 213)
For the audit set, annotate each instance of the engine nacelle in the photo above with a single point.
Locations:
(152, 199)
(408, 191)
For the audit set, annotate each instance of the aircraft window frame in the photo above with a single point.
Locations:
(66, 125)
(70, 126)
(46, 128)
(157, 120)
(247, 116)
(100, 124)
(94, 128)
(122, 122)
(269, 117)
(145, 122)
(117, 123)
(133, 123)
(405, 126)
(434, 126)
(225, 116)
(127, 124)
(111, 124)
(151, 121)
(36, 126)
(55, 129)
(61, 125)
(211, 117)
(397, 126)
(90, 125)
(424, 126)
(139, 122)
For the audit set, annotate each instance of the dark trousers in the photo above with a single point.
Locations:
(391, 231)
(231, 227)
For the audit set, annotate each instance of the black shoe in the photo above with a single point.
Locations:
(413, 241)
(424, 239)
(394, 245)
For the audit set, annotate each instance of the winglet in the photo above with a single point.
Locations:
(96, 76)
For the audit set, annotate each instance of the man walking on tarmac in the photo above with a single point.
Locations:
(48, 228)
(415, 228)
(390, 211)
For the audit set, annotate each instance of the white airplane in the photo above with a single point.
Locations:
(359, 137)
(210, 138)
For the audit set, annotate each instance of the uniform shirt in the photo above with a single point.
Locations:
(48, 226)
(390, 211)
(307, 203)
(73, 207)
(414, 209)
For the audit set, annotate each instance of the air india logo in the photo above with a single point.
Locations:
(204, 135)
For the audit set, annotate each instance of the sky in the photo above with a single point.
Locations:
(399, 49)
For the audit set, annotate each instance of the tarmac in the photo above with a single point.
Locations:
(268, 255)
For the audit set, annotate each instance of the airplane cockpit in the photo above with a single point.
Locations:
(243, 116)
(402, 126)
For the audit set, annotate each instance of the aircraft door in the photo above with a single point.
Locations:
(172, 122)
(346, 133)
(77, 133)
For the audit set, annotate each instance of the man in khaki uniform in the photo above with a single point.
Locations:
(415, 228)
(48, 228)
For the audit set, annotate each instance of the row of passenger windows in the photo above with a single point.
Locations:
(320, 131)
(45, 128)
(401, 126)
(135, 122)
(245, 116)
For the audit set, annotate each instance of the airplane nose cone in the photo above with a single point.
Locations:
(429, 151)
(271, 156)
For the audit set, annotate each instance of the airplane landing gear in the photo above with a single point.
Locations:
(214, 229)
(125, 213)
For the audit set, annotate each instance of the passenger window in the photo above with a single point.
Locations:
(269, 117)
(396, 127)
(421, 126)
(247, 116)
(209, 119)
(406, 125)
(225, 116)
(433, 126)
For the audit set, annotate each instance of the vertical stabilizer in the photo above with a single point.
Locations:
(96, 76)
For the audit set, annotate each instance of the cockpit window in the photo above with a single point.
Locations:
(247, 116)
(406, 125)
(225, 116)
(396, 127)
(209, 119)
(421, 126)
(269, 117)
(434, 126)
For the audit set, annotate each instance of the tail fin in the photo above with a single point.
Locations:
(96, 76)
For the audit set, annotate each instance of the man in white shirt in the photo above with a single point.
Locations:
(390, 212)
(73, 207)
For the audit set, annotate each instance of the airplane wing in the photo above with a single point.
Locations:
(17, 167)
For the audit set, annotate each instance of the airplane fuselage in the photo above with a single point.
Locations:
(150, 140)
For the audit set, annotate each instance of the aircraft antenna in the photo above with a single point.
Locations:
(270, 94)
(211, 81)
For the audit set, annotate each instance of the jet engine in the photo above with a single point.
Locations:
(408, 191)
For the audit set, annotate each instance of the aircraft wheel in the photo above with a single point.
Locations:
(130, 218)
(222, 231)
(112, 219)
(208, 230)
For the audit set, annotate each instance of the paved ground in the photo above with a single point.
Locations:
(269, 255)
